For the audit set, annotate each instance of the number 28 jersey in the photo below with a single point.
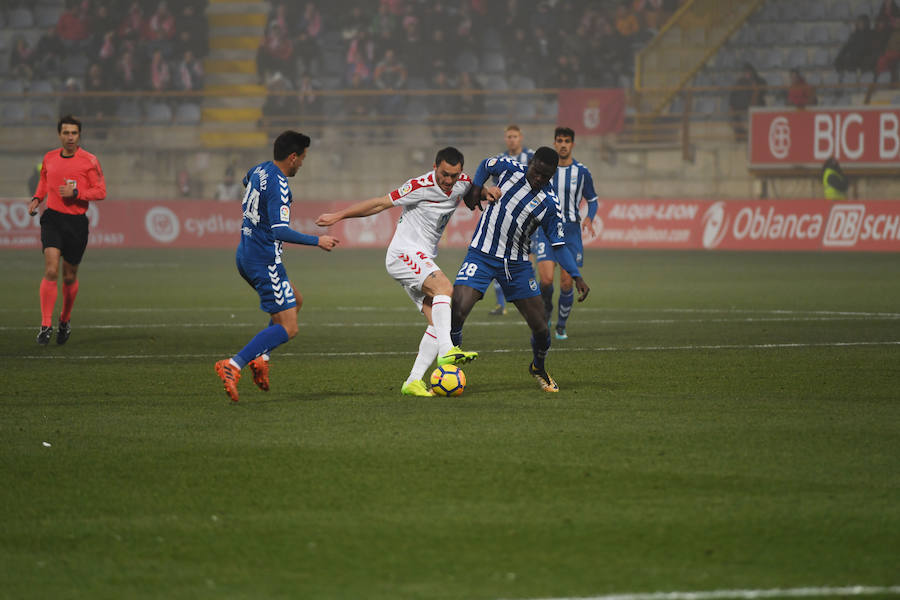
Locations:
(267, 206)
(426, 211)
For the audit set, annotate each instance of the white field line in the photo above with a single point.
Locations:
(406, 308)
(491, 323)
(523, 349)
(810, 592)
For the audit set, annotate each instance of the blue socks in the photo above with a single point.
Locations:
(566, 299)
(540, 347)
(264, 342)
(501, 299)
(456, 336)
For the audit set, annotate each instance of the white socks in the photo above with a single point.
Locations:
(428, 352)
(440, 316)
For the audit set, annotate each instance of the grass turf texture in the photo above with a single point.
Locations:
(684, 452)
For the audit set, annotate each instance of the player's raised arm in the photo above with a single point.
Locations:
(365, 208)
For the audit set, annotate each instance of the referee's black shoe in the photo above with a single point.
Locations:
(63, 332)
(43, 338)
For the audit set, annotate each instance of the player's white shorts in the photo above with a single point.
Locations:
(410, 268)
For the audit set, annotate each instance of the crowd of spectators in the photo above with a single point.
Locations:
(873, 49)
(457, 45)
(106, 45)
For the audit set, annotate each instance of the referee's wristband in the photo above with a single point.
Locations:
(36, 198)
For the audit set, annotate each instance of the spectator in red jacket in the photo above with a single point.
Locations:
(800, 93)
(161, 25)
(73, 27)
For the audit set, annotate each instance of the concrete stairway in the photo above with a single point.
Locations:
(691, 37)
(234, 99)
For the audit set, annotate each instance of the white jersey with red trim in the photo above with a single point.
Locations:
(426, 212)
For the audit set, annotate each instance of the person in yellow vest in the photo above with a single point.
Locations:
(834, 181)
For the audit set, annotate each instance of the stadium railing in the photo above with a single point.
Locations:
(698, 114)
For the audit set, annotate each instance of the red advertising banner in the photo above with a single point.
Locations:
(592, 111)
(208, 224)
(866, 137)
(788, 225)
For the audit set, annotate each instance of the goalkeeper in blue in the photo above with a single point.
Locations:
(522, 201)
(265, 227)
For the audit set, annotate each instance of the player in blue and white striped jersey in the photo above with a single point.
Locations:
(519, 153)
(522, 202)
(266, 226)
(572, 184)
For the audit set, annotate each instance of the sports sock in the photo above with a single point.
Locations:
(456, 336)
(539, 348)
(440, 316)
(428, 351)
(501, 299)
(262, 343)
(566, 299)
(70, 290)
(48, 301)
(547, 295)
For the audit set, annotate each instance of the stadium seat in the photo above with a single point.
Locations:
(12, 113)
(520, 82)
(46, 16)
(43, 111)
(128, 112)
(75, 65)
(725, 60)
(497, 104)
(188, 114)
(159, 113)
(815, 11)
(796, 34)
(417, 109)
(493, 63)
(333, 63)
(797, 58)
(818, 34)
(417, 83)
(11, 86)
(745, 36)
(41, 86)
(526, 109)
(822, 57)
(771, 11)
(842, 10)
(491, 40)
(20, 18)
(768, 36)
(706, 106)
(466, 62)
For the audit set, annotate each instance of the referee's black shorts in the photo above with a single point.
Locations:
(68, 233)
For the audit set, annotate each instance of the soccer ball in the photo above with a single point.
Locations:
(448, 380)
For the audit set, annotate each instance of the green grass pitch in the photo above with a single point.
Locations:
(725, 421)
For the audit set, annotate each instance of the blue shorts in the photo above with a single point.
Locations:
(270, 282)
(516, 277)
(542, 249)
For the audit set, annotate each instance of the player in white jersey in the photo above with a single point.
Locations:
(428, 202)
(572, 184)
(516, 150)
